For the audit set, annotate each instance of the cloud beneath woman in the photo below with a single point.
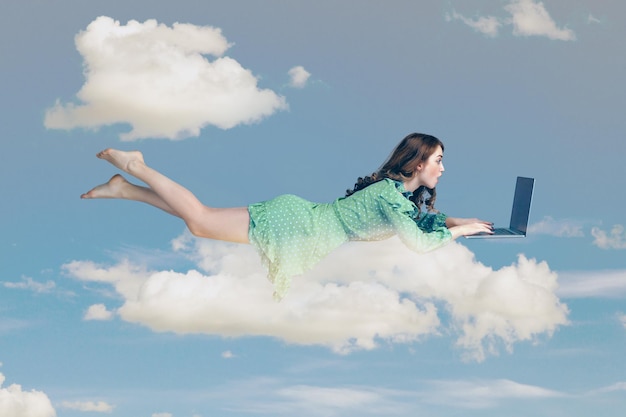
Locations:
(160, 81)
(362, 295)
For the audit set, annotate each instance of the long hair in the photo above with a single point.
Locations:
(414, 149)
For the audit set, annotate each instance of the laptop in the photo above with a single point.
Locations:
(519, 213)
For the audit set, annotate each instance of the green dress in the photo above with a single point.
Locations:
(292, 234)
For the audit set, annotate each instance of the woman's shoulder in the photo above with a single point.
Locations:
(386, 189)
(385, 183)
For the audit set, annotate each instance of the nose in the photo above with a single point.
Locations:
(442, 168)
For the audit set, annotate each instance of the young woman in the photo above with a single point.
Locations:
(292, 234)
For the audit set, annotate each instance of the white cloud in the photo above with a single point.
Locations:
(92, 406)
(617, 387)
(334, 398)
(162, 415)
(528, 18)
(486, 25)
(28, 283)
(98, 312)
(622, 319)
(615, 239)
(531, 18)
(9, 325)
(158, 79)
(299, 77)
(483, 393)
(559, 228)
(272, 396)
(587, 284)
(389, 294)
(275, 397)
(17, 403)
(228, 354)
(593, 19)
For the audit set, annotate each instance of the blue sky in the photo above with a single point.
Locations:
(111, 308)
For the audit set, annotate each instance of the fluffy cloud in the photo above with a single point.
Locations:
(99, 406)
(528, 18)
(614, 239)
(158, 79)
(559, 228)
(17, 403)
(361, 294)
(98, 312)
(622, 319)
(532, 19)
(298, 77)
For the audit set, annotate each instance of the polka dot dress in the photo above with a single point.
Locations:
(292, 234)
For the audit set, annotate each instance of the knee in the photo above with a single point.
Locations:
(197, 229)
(200, 223)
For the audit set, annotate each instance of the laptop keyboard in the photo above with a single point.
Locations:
(500, 231)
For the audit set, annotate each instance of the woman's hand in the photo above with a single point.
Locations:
(465, 227)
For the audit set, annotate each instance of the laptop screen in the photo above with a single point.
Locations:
(521, 204)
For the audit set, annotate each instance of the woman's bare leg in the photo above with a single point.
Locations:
(118, 187)
(230, 224)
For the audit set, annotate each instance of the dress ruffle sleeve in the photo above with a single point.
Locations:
(403, 215)
(429, 222)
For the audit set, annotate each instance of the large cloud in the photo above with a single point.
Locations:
(157, 79)
(17, 403)
(361, 294)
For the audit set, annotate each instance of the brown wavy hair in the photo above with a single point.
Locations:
(415, 148)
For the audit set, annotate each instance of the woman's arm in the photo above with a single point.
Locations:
(465, 227)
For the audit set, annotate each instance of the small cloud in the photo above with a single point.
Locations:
(488, 26)
(299, 77)
(589, 284)
(16, 402)
(593, 19)
(614, 239)
(532, 19)
(162, 415)
(159, 80)
(617, 387)
(29, 284)
(622, 319)
(98, 312)
(93, 406)
(311, 397)
(528, 18)
(228, 354)
(484, 393)
(559, 228)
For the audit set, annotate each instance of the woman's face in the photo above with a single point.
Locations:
(428, 173)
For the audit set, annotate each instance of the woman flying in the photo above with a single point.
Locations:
(292, 234)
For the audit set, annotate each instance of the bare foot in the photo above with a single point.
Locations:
(111, 189)
(123, 160)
